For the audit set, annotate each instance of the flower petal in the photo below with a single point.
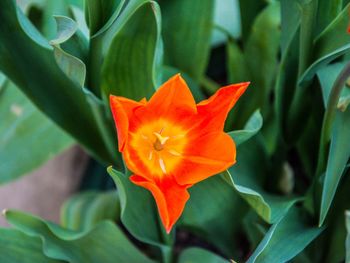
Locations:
(122, 110)
(169, 196)
(207, 155)
(213, 111)
(172, 97)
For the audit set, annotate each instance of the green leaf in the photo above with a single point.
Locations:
(63, 101)
(261, 57)
(85, 210)
(104, 243)
(285, 239)
(347, 244)
(247, 176)
(66, 28)
(98, 13)
(195, 255)
(21, 126)
(251, 128)
(131, 65)
(327, 76)
(137, 210)
(333, 42)
(338, 156)
(327, 11)
(217, 220)
(187, 29)
(18, 247)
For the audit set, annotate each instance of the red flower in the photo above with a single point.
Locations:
(170, 143)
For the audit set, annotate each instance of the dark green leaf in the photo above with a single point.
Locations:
(338, 156)
(63, 101)
(285, 239)
(196, 255)
(347, 244)
(18, 247)
(27, 138)
(187, 29)
(131, 65)
(104, 243)
(327, 11)
(251, 128)
(215, 213)
(98, 13)
(85, 210)
(333, 42)
(247, 176)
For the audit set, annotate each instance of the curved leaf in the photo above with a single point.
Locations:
(104, 243)
(18, 247)
(85, 210)
(285, 239)
(187, 29)
(247, 176)
(20, 44)
(22, 126)
(194, 255)
(66, 28)
(251, 128)
(130, 66)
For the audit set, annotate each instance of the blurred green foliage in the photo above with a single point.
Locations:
(285, 198)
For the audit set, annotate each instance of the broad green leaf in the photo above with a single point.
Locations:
(18, 247)
(347, 244)
(251, 128)
(27, 138)
(63, 101)
(285, 239)
(137, 211)
(98, 13)
(338, 156)
(195, 255)
(333, 42)
(186, 29)
(218, 219)
(247, 177)
(236, 64)
(104, 243)
(131, 65)
(85, 210)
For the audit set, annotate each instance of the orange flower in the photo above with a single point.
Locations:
(170, 143)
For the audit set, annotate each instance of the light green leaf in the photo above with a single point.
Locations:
(347, 244)
(104, 243)
(327, 76)
(333, 42)
(247, 176)
(85, 210)
(338, 156)
(285, 239)
(196, 255)
(217, 220)
(45, 83)
(131, 65)
(66, 28)
(27, 138)
(251, 128)
(138, 210)
(18, 247)
(187, 29)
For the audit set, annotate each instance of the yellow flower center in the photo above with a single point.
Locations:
(160, 145)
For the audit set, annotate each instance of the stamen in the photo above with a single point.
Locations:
(173, 152)
(160, 141)
(162, 165)
(150, 155)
